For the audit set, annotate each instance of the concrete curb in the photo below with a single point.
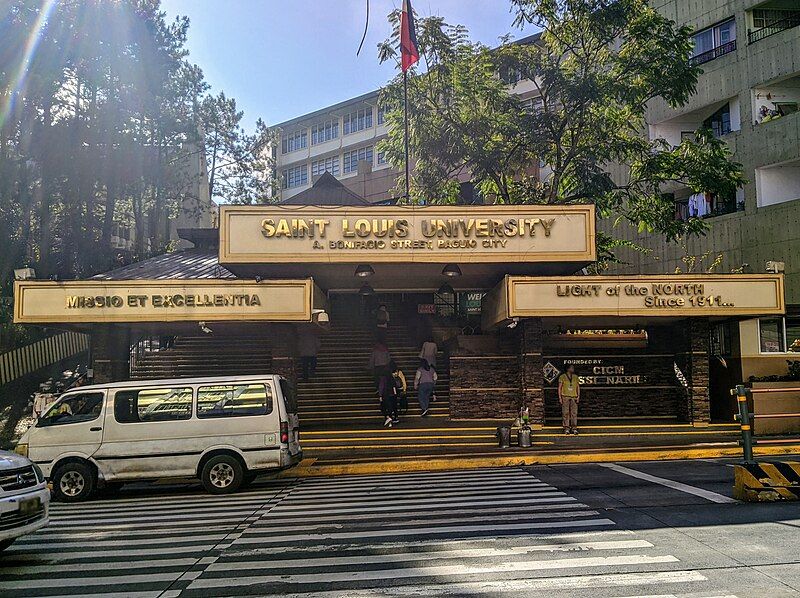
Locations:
(767, 481)
(307, 468)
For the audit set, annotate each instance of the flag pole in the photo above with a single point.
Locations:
(405, 119)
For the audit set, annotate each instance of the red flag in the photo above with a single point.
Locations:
(408, 37)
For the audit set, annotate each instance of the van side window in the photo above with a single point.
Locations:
(152, 405)
(72, 409)
(231, 400)
(289, 395)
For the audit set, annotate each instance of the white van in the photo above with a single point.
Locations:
(224, 430)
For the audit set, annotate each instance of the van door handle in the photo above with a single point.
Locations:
(95, 429)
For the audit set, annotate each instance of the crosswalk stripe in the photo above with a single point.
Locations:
(557, 584)
(425, 531)
(407, 557)
(377, 490)
(415, 521)
(441, 544)
(518, 509)
(402, 506)
(429, 495)
(438, 571)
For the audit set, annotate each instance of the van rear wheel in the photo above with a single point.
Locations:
(222, 474)
(73, 482)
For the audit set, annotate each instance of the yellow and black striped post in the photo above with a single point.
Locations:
(767, 481)
(745, 423)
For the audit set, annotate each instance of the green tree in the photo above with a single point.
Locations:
(595, 65)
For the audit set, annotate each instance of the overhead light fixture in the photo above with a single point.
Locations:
(366, 290)
(24, 274)
(364, 271)
(446, 289)
(451, 270)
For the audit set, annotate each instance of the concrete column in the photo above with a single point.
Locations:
(110, 353)
(532, 378)
(698, 372)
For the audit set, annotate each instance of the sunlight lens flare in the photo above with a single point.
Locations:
(17, 80)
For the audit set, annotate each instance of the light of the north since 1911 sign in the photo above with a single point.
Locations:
(679, 295)
(518, 233)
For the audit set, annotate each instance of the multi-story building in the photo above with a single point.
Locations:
(341, 139)
(748, 95)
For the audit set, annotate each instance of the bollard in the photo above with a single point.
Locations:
(504, 436)
(745, 422)
(524, 437)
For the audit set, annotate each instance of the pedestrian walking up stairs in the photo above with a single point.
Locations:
(340, 410)
(207, 355)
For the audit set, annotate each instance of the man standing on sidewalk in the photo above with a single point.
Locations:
(569, 394)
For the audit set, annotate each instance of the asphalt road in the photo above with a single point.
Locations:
(623, 530)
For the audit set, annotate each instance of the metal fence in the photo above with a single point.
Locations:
(23, 361)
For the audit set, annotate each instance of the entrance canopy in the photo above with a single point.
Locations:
(407, 246)
(172, 300)
(641, 296)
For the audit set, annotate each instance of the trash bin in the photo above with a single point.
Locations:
(504, 436)
(524, 437)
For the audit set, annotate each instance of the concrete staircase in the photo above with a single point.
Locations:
(207, 355)
(342, 394)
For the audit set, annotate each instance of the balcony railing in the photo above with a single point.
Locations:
(792, 20)
(712, 54)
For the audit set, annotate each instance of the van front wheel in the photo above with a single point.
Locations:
(73, 482)
(222, 474)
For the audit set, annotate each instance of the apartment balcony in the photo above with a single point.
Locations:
(713, 54)
(771, 18)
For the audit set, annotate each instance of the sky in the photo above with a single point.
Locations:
(284, 58)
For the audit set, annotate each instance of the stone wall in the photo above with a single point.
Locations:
(485, 376)
(110, 353)
(532, 364)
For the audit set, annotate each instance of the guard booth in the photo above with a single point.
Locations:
(242, 297)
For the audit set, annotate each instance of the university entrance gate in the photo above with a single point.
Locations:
(493, 286)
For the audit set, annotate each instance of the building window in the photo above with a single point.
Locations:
(772, 335)
(381, 158)
(351, 159)
(714, 42)
(325, 165)
(295, 177)
(721, 339)
(720, 121)
(778, 183)
(233, 400)
(793, 334)
(296, 141)
(324, 131)
(152, 405)
(510, 75)
(381, 115)
(533, 105)
(357, 121)
(769, 21)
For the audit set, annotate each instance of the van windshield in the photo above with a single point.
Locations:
(74, 408)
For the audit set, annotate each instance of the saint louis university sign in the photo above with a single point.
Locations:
(312, 234)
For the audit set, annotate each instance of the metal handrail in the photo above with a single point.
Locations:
(710, 55)
(793, 20)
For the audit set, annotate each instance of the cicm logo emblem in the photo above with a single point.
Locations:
(550, 372)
